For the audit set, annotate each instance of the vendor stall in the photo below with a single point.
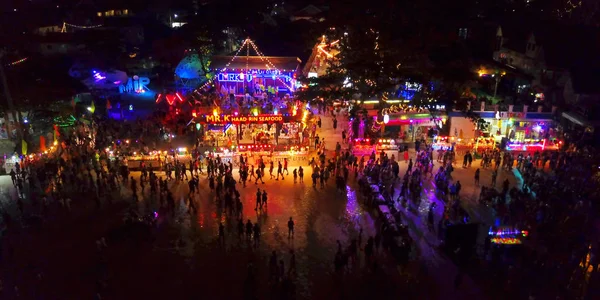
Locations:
(485, 143)
(236, 129)
(151, 161)
(441, 143)
(387, 146)
(530, 145)
(362, 147)
(507, 236)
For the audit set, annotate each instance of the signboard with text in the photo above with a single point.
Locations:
(508, 115)
(251, 74)
(240, 119)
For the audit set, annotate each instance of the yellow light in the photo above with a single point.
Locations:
(320, 47)
(255, 112)
(127, 141)
(370, 101)
(215, 113)
(55, 143)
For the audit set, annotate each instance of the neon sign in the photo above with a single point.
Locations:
(251, 74)
(506, 115)
(134, 84)
(225, 119)
(233, 77)
(412, 86)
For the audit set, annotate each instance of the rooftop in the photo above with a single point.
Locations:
(255, 62)
(580, 42)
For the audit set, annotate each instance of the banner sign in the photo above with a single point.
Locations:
(508, 115)
(251, 74)
(225, 119)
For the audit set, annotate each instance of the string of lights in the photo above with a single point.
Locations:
(248, 42)
(65, 24)
(244, 44)
(264, 58)
(16, 62)
(82, 27)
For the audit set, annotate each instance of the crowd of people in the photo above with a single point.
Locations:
(553, 203)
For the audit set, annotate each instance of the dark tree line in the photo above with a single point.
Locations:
(383, 44)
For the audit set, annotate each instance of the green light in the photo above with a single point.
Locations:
(197, 126)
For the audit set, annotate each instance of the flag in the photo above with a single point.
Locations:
(56, 133)
(23, 147)
(42, 143)
(93, 107)
(108, 106)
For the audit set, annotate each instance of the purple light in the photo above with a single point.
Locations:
(117, 82)
(98, 77)
(411, 120)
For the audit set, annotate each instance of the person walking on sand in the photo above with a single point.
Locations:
(258, 202)
(290, 228)
(334, 124)
(279, 171)
(264, 199)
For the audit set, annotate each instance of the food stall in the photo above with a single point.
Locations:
(531, 145)
(362, 147)
(253, 153)
(152, 160)
(441, 143)
(236, 129)
(388, 146)
(219, 135)
(460, 146)
(507, 236)
(484, 143)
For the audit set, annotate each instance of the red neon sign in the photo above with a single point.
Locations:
(221, 119)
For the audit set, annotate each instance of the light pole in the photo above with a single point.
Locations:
(498, 75)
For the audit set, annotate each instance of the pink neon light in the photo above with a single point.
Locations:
(544, 144)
